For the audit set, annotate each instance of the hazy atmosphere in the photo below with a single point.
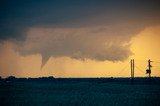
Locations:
(79, 38)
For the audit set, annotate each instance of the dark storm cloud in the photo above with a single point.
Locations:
(96, 43)
(95, 29)
(16, 16)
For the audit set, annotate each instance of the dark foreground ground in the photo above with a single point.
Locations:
(98, 91)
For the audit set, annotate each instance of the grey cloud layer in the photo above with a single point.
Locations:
(97, 43)
(94, 29)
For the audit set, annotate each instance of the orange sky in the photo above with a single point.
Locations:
(145, 45)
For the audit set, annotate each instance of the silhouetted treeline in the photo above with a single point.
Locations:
(139, 80)
(13, 78)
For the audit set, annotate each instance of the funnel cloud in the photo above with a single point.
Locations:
(99, 30)
(95, 43)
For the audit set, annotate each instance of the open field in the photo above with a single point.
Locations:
(83, 92)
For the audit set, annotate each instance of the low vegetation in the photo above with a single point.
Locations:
(96, 91)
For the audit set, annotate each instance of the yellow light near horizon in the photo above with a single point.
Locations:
(67, 67)
(146, 45)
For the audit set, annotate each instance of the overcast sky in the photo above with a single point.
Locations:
(98, 30)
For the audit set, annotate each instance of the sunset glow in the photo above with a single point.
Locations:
(79, 40)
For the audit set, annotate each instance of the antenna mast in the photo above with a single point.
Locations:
(148, 71)
(132, 68)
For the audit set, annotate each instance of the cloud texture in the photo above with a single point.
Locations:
(84, 29)
(96, 43)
